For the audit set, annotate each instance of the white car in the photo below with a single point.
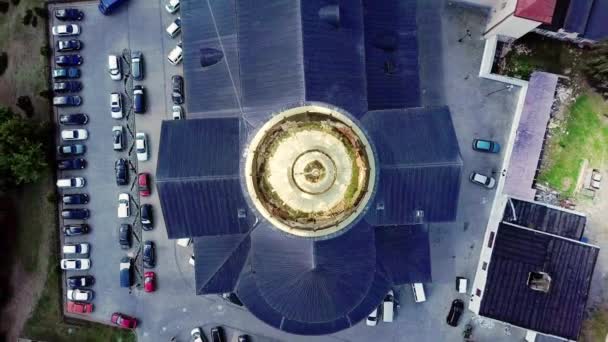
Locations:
(75, 264)
(483, 180)
(74, 134)
(124, 205)
(176, 112)
(114, 67)
(73, 182)
(80, 295)
(66, 30)
(191, 260)
(175, 27)
(76, 248)
(116, 105)
(185, 242)
(118, 134)
(141, 145)
(196, 335)
(172, 6)
(372, 318)
(175, 56)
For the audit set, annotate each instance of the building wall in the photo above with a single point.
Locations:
(512, 27)
(485, 3)
(500, 10)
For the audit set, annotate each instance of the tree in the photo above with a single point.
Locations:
(596, 66)
(22, 149)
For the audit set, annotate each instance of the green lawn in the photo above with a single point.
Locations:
(584, 135)
(595, 327)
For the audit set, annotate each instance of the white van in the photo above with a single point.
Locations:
(114, 67)
(388, 307)
(418, 290)
(185, 242)
(175, 56)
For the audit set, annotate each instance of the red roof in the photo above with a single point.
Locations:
(537, 10)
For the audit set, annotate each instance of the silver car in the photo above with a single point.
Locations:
(118, 137)
(116, 105)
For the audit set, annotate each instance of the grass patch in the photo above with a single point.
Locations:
(583, 135)
(595, 328)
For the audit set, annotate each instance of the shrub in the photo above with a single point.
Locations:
(596, 67)
(34, 21)
(3, 62)
(3, 6)
(28, 17)
(15, 2)
(45, 51)
(41, 12)
(25, 103)
(47, 94)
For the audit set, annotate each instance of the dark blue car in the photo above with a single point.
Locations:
(61, 73)
(67, 87)
(69, 45)
(72, 164)
(68, 60)
(73, 119)
(69, 14)
(75, 199)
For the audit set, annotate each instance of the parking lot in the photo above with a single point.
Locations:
(174, 309)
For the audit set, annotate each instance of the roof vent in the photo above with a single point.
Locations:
(242, 213)
(418, 216)
(390, 68)
(386, 41)
(539, 281)
(330, 14)
(210, 56)
(380, 206)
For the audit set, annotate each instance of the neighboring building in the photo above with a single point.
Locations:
(535, 273)
(307, 172)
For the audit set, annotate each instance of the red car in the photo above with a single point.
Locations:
(79, 307)
(143, 182)
(124, 321)
(149, 282)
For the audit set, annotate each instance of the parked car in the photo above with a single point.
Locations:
(137, 65)
(73, 182)
(106, 7)
(175, 56)
(196, 335)
(243, 338)
(69, 45)
(80, 295)
(76, 248)
(191, 260)
(73, 119)
(63, 73)
(74, 134)
(121, 169)
(172, 6)
(69, 14)
(143, 184)
(177, 86)
(118, 137)
(75, 264)
(124, 236)
(232, 298)
(75, 214)
(418, 291)
(67, 101)
(116, 105)
(149, 282)
(126, 279)
(455, 312)
(483, 180)
(372, 318)
(388, 307)
(72, 199)
(145, 214)
(149, 254)
(175, 27)
(217, 334)
(123, 321)
(139, 99)
(68, 60)
(71, 150)
(67, 87)
(114, 67)
(141, 146)
(78, 307)
(124, 205)
(75, 229)
(184, 242)
(483, 145)
(65, 30)
(71, 164)
(80, 281)
(176, 112)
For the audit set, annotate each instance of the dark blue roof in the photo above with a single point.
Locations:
(404, 253)
(577, 15)
(588, 18)
(597, 28)
(218, 262)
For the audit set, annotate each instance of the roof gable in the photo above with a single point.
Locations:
(538, 10)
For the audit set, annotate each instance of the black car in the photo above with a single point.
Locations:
(122, 172)
(75, 214)
(139, 99)
(68, 60)
(243, 338)
(69, 45)
(124, 236)
(75, 229)
(67, 101)
(177, 86)
(80, 281)
(149, 254)
(71, 164)
(71, 150)
(69, 14)
(137, 65)
(455, 312)
(75, 199)
(217, 334)
(67, 87)
(145, 213)
(73, 119)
